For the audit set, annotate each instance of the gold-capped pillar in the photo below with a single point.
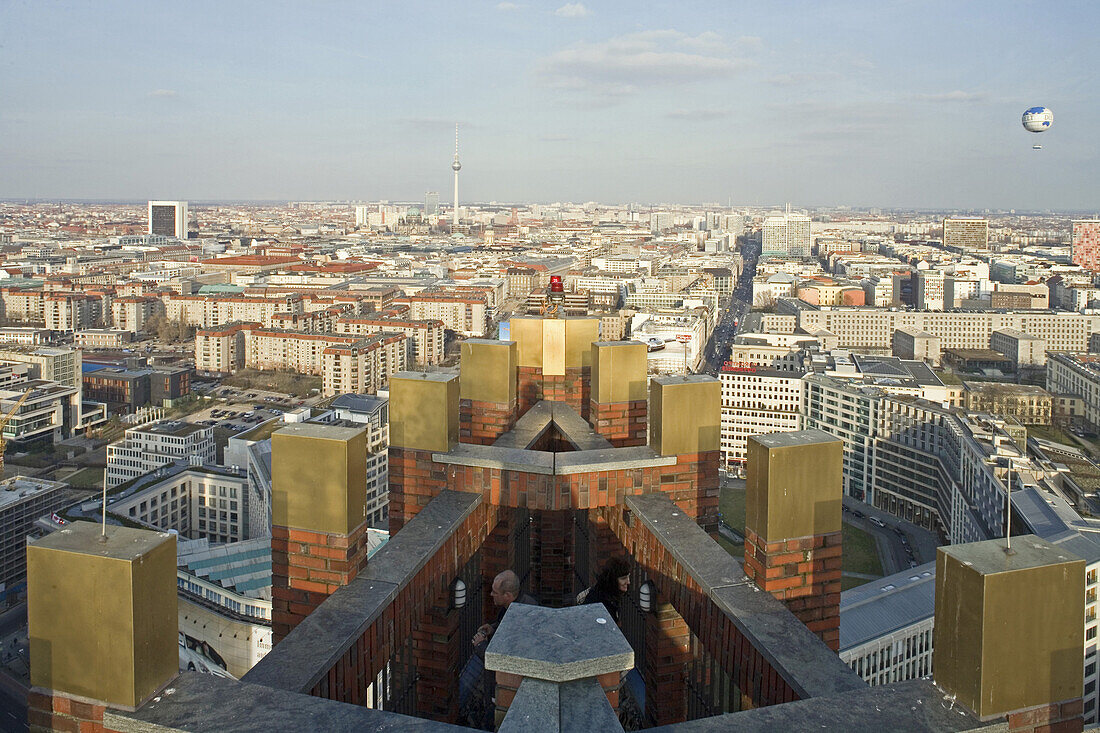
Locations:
(1008, 631)
(617, 407)
(102, 620)
(318, 517)
(424, 409)
(792, 524)
(685, 422)
(554, 360)
(487, 396)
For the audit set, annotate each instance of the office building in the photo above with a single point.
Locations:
(886, 626)
(168, 218)
(148, 447)
(756, 401)
(23, 500)
(431, 204)
(372, 413)
(1077, 375)
(786, 235)
(1086, 244)
(963, 233)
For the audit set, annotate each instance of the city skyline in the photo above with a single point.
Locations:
(897, 106)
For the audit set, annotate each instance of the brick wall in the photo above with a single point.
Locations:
(622, 423)
(716, 633)
(804, 573)
(52, 711)
(573, 388)
(1063, 717)
(668, 650)
(484, 422)
(414, 479)
(392, 632)
(306, 568)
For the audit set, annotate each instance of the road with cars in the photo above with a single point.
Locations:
(733, 311)
(901, 544)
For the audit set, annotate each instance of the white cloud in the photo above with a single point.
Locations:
(956, 96)
(623, 64)
(163, 93)
(572, 10)
(800, 78)
(507, 6)
(698, 115)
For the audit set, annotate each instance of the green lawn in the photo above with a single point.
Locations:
(86, 478)
(860, 553)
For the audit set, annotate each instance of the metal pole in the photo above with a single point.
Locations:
(1008, 516)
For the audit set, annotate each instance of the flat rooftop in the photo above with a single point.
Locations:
(175, 428)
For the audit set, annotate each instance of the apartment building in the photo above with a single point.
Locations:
(1077, 375)
(222, 349)
(148, 447)
(874, 327)
(363, 366)
(132, 312)
(963, 233)
(67, 312)
(426, 338)
(23, 304)
(209, 311)
(468, 314)
(756, 401)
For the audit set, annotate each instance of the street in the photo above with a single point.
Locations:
(894, 537)
(734, 310)
(13, 696)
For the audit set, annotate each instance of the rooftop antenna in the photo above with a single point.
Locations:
(1008, 516)
(456, 167)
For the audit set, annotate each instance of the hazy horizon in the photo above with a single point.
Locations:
(890, 105)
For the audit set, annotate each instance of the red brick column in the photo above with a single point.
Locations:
(484, 422)
(414, 479)
(555, 569)
(573, 388)
(804, 573)
(693, 485)
(668, 649)
(528, 387)
(52, 711)
(1063, 717)
(306, 568)
(622, 423)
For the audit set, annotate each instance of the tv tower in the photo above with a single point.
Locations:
(456, 167)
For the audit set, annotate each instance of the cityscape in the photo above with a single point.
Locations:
(531, 419)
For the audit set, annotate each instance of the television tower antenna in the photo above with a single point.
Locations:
(456, 167)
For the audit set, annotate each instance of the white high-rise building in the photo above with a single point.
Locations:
(786, 235)
(362, 216)
(168, 218)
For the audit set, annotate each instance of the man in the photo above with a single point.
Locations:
(505, 592)
(476, 684)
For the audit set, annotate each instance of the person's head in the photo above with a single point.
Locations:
(614, 577)
(505, 588)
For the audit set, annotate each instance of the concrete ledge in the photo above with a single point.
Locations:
(202, 703)
(609, 459)
(531, 426)
(299, 661)
(558, 644)
(494, 456)
(918, 707)
(795, 652)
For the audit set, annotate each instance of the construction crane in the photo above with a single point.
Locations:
(4, 423)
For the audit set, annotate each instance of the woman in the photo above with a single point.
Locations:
(612, 583)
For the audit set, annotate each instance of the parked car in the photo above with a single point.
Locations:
(877, 521)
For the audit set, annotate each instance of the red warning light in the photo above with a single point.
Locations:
(556, 285)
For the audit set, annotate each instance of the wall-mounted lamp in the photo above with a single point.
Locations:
(647, 592)
(458, 593)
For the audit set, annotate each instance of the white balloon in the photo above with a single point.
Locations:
(1038, 119)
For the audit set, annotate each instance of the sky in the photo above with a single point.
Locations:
(891, 104)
